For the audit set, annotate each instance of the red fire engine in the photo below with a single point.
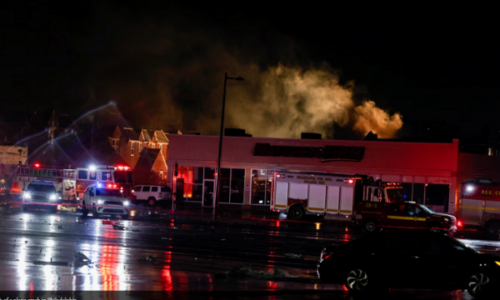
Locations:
(480, 205)
(119, 176)
(72, 183)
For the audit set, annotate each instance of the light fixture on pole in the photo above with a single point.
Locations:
(217, 194)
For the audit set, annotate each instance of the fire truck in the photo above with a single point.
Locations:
(72, 183)
(301, 194)
(120, 177)
(480, 205)
(63, 179)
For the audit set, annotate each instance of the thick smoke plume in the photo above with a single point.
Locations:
(291, 100)
(171, 76)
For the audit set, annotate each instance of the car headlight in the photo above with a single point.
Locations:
(27, 195)
(100, 202)
(498, 263)
(126, 203)
(53, 197)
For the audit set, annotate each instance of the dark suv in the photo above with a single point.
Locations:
(409, 259)
(41, 194)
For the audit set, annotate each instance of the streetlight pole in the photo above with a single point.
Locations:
(217, 195)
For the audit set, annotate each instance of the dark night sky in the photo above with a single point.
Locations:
(430, 65)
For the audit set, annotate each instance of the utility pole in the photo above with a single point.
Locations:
(217, 195)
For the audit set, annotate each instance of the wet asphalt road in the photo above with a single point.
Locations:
(183, 255)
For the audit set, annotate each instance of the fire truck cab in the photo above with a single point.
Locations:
(480, 205)
(300, 194)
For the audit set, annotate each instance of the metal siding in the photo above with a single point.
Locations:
(419, 179)
(472, 211)
(406, 178)
(298, 191)
(317, 197)
(281, 194)
(346, 200)
(332, 200)
(391, 178)
(492, 207)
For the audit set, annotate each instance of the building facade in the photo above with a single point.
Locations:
(427, 171)
(130, 144)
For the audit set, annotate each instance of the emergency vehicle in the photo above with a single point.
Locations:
(480, 205)
(104, 199)
(373, 216)
(63, 179)
(300, 194)
(119, 176)
(72, 183)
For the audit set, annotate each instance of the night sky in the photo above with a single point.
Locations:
(436, 67)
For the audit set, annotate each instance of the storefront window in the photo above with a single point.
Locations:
(225, 185)
(237, 185)
(436, 197)
(407, 190)
(261, 187)
(198, 175)
(259, 191)
(418, 192)
(209, 173)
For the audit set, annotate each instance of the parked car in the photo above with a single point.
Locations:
(42, 194)
(152, 193)
(373, 216)
(100, 199)
(409, 259)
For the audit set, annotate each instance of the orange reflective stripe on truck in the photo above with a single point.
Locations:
(406, 218)
(471, 207)
(280, 206)
(316, 208)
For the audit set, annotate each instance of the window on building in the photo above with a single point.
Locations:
(232, 185)
(237, 185)
(407, 190)
(261, 187)
(161, 175)
(140, 147)
(153, 145)
(436, 197)
(83, 174)
(132, 149)
(225, 185)
(259, 181)
(209, 173)
(189, 183)
(418, 192)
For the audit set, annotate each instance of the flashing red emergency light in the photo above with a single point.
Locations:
(278, 175)
(460, 223)
(350, 181)
(122, 168)
(110, 185)
(114, 186)
(37, 165)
